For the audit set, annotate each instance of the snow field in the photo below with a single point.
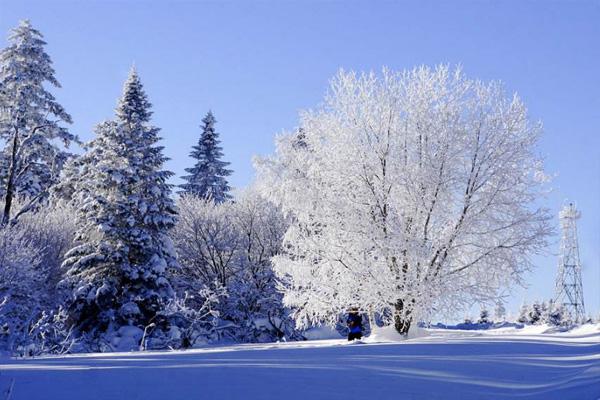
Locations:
(440, 364)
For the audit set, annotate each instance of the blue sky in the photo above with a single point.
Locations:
(256, 64)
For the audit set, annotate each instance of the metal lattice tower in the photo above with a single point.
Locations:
(569, 290)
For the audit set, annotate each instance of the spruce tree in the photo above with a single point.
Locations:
(118, 272)
(207, 179)
(30, 120)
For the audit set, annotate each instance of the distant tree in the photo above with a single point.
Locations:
(118, 271)
(208, 177)
(523, 314)
(500, 311)
(30, 121)
(484, 317)
(535, 313)
(414, 197)
(544, 310)
(555, 314)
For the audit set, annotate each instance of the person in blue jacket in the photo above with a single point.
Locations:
(354, 323)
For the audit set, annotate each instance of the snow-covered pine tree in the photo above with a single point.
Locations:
(70, 175)
(535, 313)
(484, 316)
(207, 178)
(553, 314)
(118, 272)
(30, 120)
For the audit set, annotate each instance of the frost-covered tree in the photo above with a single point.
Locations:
(413, 195)
(51, 229)
(30, 121)
(195, 316)
(229, 246)
(500, 311)
(523, 314)
(31, 252)
(20, 282)
(257, 301)
(118, 271)
(207, 242)
(208, 177)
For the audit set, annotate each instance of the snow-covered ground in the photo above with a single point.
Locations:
(439, 364)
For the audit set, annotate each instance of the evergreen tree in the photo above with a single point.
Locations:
(535, 313)
(207, 178)
(30, 120)
(118, 272)
(484, 317)
(554, 314)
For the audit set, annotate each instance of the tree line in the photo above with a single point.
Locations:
(96, 254)
(406, 195)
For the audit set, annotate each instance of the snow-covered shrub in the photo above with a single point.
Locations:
(52, 230)
(51, 334)
(232, 243)
(21, 284)
(32, 249)
(188, 321)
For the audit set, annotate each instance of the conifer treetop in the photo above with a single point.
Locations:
(133, 104)
(207, 178)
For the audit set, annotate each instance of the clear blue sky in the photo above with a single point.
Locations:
(256, 64)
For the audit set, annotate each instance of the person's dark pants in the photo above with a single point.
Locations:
(352, 336)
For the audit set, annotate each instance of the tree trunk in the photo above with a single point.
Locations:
(402, 318)
(10, 182)
(372, 323)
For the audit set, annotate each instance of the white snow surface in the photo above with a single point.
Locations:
(529, 363)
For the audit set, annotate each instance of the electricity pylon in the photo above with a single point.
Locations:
(569, 289)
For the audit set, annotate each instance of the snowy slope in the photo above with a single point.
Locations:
(443, 364)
